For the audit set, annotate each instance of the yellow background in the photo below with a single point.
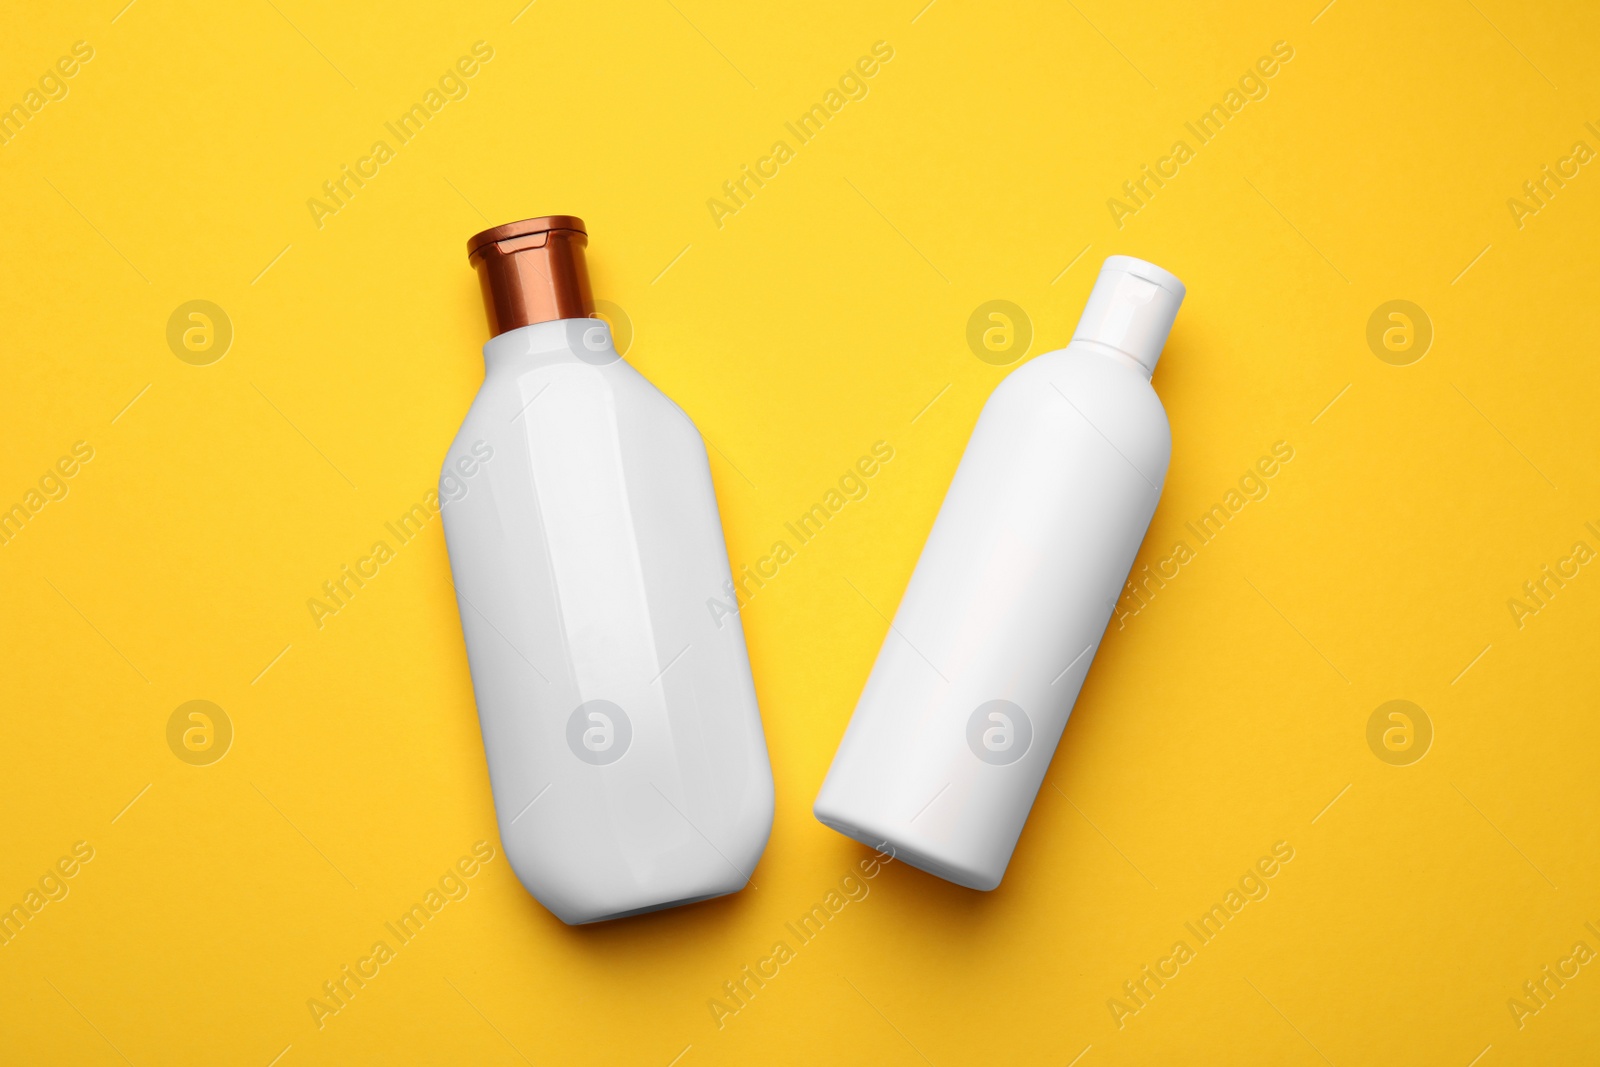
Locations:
(822, 317)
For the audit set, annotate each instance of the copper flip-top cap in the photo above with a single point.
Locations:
(533, 271)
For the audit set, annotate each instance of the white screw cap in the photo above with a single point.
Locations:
(1131, 309)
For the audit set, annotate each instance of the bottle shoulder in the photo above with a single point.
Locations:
(1088, 379)
(512, 390)
(580, 401)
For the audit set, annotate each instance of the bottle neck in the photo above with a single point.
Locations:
(574, 340)
(1100, 349)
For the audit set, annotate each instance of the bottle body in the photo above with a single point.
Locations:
(992, 641)
(619, 719)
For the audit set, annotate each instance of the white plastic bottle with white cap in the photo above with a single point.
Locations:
(961, 715)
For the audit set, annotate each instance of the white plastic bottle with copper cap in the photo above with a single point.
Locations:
(959, 719)
(618, 711)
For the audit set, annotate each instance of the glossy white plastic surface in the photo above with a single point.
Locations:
(624, 744)
(964, 707)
